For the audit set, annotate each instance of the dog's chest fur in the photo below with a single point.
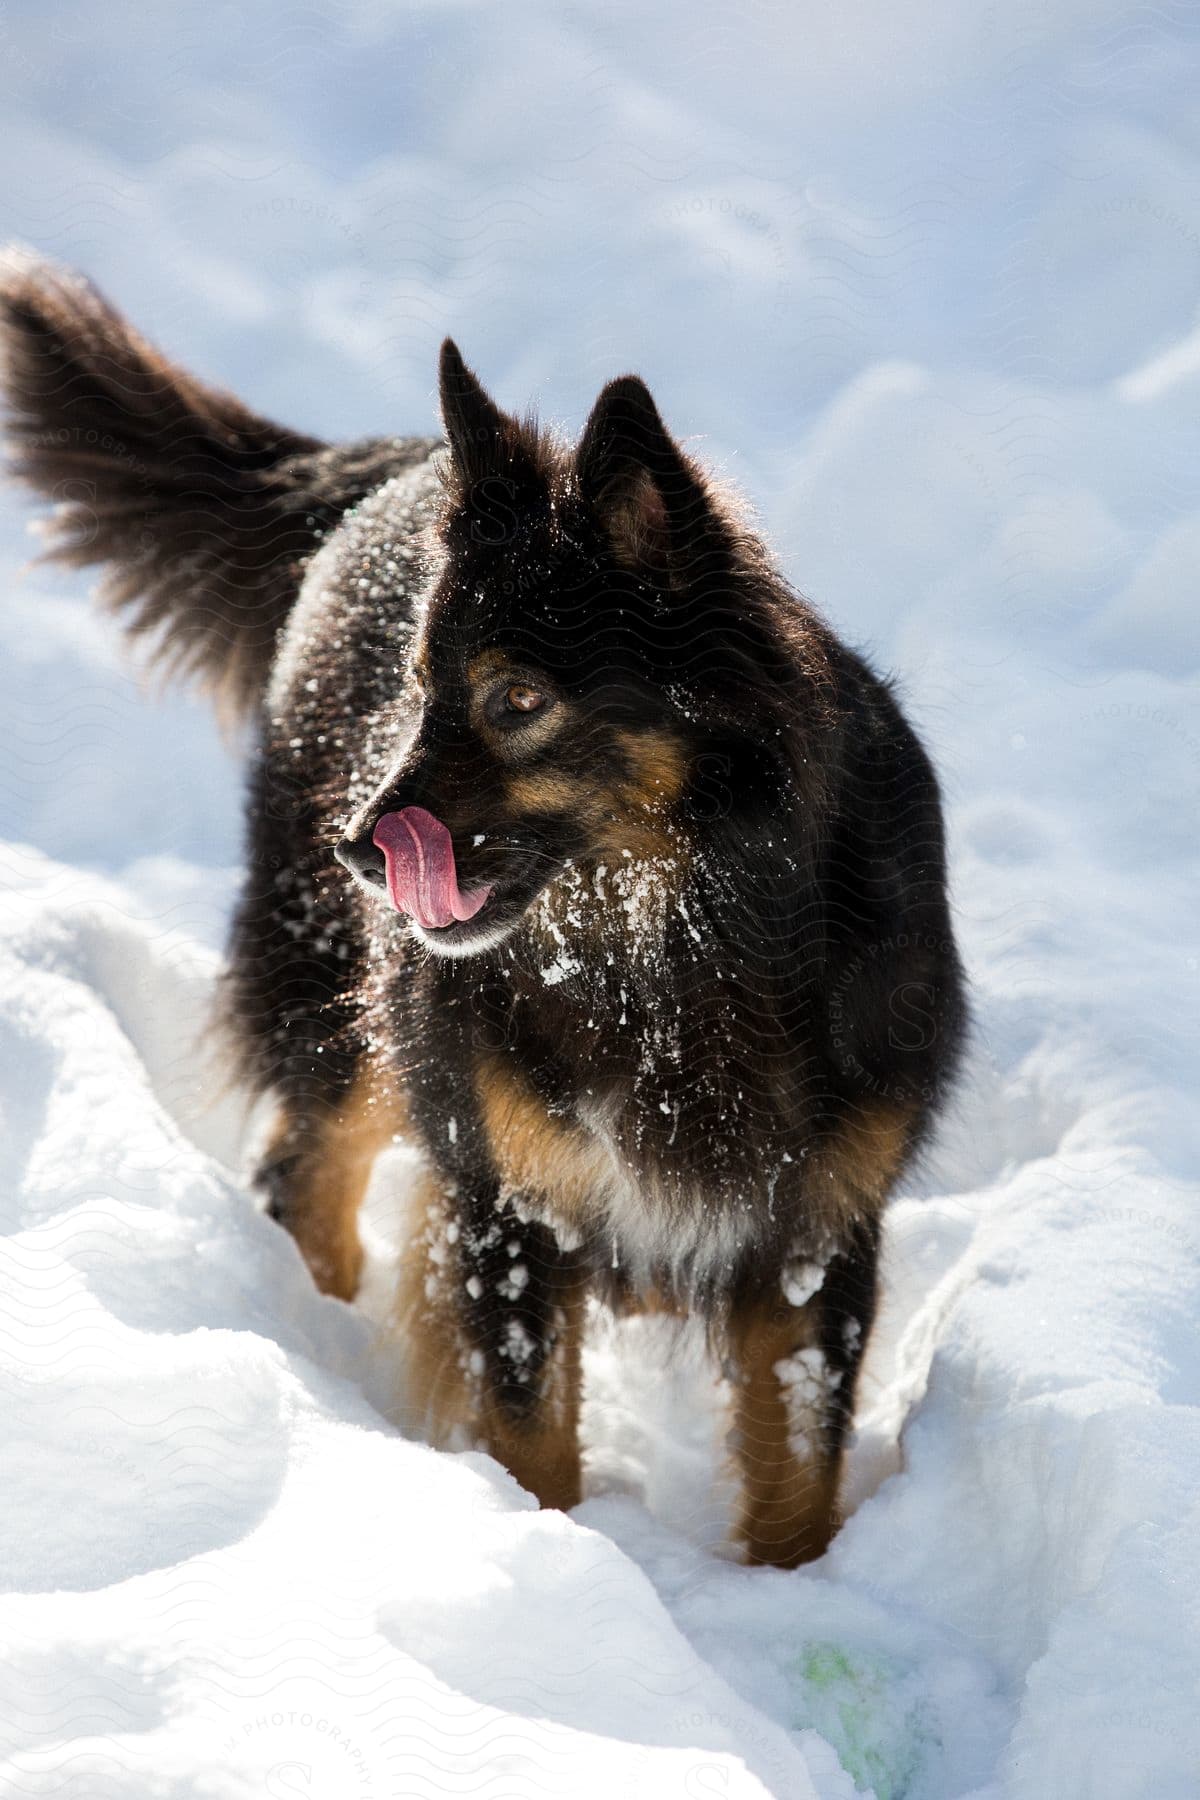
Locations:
(617, 1114)
(587, 1166)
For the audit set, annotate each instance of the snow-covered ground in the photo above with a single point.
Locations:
(925, 280)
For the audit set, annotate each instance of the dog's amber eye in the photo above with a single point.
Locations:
(516, 704)
(522, 699)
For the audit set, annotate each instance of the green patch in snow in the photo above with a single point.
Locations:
(862, 1705)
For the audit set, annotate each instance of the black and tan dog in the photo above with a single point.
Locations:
(580, 851)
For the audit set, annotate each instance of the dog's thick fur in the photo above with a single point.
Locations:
(705, 1021)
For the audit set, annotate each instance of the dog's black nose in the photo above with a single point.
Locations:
(362, 858)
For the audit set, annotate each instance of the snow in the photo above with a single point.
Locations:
(924, 280)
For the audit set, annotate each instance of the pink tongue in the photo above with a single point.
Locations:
(421, 877)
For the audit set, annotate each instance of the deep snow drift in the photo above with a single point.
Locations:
(926, 281)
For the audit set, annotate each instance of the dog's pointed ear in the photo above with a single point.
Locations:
(487, 446)
(637, 480)
(475, 426)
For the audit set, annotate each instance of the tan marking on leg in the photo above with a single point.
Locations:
(533, 1152)
(543, 1450)
(446, 1389)
(789, 1474)
(851, 1174)
(789, 1477)
(319, 1206)
(436, 1362)
(870, 1149)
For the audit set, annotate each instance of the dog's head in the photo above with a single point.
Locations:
(592, 675)
(605, 676)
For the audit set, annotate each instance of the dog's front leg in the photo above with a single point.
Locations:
(795, 1367)
(490, 1311)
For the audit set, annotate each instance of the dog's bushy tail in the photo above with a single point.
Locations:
(202, 513)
